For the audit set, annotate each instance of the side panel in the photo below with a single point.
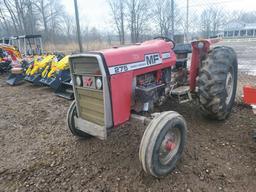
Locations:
(121, 89)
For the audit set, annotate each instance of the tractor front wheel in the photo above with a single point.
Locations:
(217, 83)
(163, 143)
(72, 113)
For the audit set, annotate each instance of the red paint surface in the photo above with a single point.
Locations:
(121, 84)
(249, 95)
(121, 92)
(14, 58)
(196, 59)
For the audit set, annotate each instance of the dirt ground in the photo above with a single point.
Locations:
(245, 53)
(38, 153)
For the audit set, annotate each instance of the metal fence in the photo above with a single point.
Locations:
(232, 20)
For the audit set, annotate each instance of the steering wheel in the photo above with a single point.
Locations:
(166, 39)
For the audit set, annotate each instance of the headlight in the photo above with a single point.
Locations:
(98, 83)
(78, 81)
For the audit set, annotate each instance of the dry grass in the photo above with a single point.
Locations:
(73, 47)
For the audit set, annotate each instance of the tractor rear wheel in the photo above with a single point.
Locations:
(163, 143)
(217, 83)
(72, 113)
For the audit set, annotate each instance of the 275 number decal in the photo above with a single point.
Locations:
(121, 69)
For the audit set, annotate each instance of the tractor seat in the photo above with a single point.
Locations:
(182, 48)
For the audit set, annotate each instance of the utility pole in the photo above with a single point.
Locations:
(187, 20)
(78, 27)
(172, 13)
(122, 21)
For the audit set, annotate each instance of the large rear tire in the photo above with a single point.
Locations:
(217, 83)
(72, 113)
(163, 143)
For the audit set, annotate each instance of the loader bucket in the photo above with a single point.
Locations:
(35, 79)
(15, 79)
(55, 82)
(65, 90)
(44, 81)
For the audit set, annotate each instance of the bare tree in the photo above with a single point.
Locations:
(4, 24)
(138, 15)
(94, 35)
(21, 14)
(12, 15)
(55, 20)
(69, 26)
(19, 17)
(117, 10)
(247, 17)
(51, 16)
(211, 20)
(166, 17)
(42, 7)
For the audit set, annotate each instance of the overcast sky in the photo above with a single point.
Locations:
(96, 13)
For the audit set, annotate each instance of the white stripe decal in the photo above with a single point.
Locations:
(150, 60)
(166, 55)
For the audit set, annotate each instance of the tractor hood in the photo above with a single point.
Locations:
(136, 53)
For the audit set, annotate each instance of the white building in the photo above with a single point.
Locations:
(239, 29)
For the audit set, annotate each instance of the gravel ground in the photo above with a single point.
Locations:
(38, 153)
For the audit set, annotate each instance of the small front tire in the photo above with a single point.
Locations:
(72, 113)
(163, 143)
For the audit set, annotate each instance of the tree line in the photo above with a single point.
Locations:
(131, 20)
(139, 18)
(31, 16)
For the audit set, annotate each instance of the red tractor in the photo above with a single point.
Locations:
(115, 85)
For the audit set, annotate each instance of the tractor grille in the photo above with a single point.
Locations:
(89, 99)
(85, 65)
(91, 105)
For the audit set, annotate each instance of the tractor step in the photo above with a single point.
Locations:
(69, 83)
(65, 90)
(183, 94)
(70, 91)
(66, 95)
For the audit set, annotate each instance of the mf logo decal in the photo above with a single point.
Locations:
(149, 60)
(88, 81)
(153, 59)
